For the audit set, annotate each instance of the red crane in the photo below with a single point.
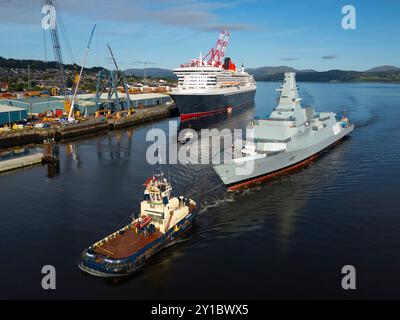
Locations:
(216, 55)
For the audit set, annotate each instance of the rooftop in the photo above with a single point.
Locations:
(139, 96)
(35, 99)
(5, 108)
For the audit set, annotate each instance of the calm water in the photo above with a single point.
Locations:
(287, 238)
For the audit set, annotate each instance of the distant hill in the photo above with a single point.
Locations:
(268, 71)
(384, 68)
(151, 72)
(38, 65)
(381, 74)
(384, 73)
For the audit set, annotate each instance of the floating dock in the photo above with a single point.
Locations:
(21, 162)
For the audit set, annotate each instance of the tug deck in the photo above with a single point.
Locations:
(126, 244)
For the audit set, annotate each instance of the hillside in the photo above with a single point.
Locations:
(380, 74)
(151, 72)
(268, 71)
(384, 73)
(384, 68)
(38, 65)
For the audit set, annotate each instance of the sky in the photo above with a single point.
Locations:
(305, 34)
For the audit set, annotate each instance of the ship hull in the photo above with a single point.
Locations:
(126, 266)
(271, 166)
(200, 105)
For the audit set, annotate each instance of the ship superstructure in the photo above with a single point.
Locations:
(212, 84)
(288, 138)
(162, 219)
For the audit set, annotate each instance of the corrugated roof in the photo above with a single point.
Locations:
(133, 97)
(86, 103)
(5, 108)
(36, 99)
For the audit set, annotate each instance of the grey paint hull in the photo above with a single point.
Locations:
(298, 151)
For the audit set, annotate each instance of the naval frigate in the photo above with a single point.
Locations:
(288, 138)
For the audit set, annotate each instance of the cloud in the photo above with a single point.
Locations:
(199, 15)
(329, 57)
(289, 59)
(229, 27)
(20, 12)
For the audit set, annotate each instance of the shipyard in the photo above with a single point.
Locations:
(183, 154)
(29, 120)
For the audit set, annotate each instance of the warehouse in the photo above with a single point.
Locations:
(10, 115)
(141, 100)
(86, 102)
(149, 99)
(36, 105)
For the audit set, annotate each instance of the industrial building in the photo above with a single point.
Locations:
(86, 102)
(10, 115)
(35, 105)
(149, 99)
(143, 100)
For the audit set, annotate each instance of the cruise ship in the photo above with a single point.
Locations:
(212, 84)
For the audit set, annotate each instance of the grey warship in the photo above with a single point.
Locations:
(288, 138)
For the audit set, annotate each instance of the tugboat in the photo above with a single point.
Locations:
(162, 219)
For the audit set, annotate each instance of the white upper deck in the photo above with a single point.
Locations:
(164, 210)
(209, 78)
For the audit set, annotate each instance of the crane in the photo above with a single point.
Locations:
(109, 81)
(52, 12)
(121, 79)
(56, 46)
(215, 56)
(71, 110)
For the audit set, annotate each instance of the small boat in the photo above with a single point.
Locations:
(162, 219)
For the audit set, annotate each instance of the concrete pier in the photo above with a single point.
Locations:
(21, 162)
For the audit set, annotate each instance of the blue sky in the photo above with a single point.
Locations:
(302, 34)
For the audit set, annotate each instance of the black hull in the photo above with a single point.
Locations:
(192, 106)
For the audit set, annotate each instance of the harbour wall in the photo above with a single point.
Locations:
(91, 126)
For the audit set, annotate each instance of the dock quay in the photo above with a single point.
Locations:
(87, 127)
(26, 136)
(21, 162)
(140, 116)
(91, 126)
